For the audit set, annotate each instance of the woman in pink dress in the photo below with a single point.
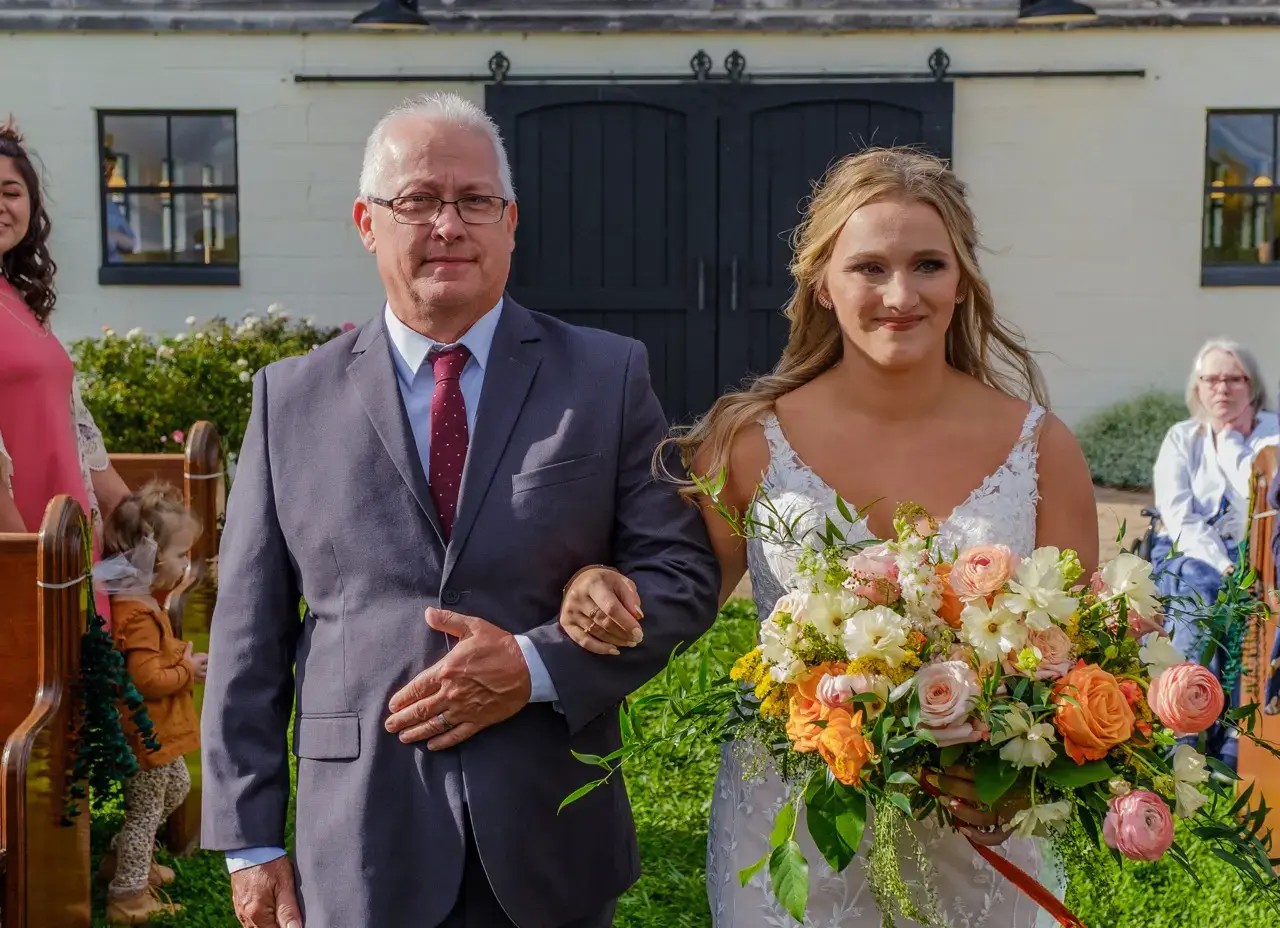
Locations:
(48, 441)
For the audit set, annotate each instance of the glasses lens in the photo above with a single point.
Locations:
(417, 210)
(480, 209)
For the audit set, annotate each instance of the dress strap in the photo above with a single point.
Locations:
(779, 447)
(1031, 425)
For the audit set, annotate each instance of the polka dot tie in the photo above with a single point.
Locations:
(448, 433)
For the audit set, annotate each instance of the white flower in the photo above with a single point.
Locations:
(993, 631)
(826, 612)
(1160, 654)
(182, 336)
(1039, 821)
(779, 634)
(164, 353)
(1130, 575)
(1038, 590)
(309, 320)
(134, 333)
(245, 376)
(1119, 786)
(191, 320)
(108, 331)
(876, 632)
(1026, 744)
(1189, 770)
(241, 362)
(275, 308)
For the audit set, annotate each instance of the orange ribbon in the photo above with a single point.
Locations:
(1019, 877)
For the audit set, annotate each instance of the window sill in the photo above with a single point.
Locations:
(124, 275)
(1262, 275)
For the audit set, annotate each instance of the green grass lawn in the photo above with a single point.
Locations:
(671, 797)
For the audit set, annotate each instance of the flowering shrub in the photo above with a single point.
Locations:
(1121, 442)
(145, 390)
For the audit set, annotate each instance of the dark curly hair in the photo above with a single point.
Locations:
(29, 266)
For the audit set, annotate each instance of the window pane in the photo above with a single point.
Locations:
(139, 143)
(1239, 228)
(205, 226)
(1241, 149)
(204, 151)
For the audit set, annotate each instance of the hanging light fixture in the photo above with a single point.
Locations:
(1052, 12)
(392, 16)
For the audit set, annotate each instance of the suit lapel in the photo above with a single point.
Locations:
(513, 360)
(373, 373)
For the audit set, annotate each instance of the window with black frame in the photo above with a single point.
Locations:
(1241, 236)
(169, 195)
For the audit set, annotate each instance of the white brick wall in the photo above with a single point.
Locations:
(1088, 191)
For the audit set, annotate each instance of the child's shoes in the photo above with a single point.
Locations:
(139, 908)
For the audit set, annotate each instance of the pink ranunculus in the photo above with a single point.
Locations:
(348, 326)
(948, 691)
(1139, 825)
(1187, 698)
(179, 436)
(874, 575)
(835, 690)
(1096, 586)
(981, 571)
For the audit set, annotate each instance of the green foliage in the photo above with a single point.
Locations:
(145, 390)
(1122, 441)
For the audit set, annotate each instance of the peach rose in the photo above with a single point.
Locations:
(951, 606)
(948, 692)
(1092, 715)
(1139, 825)
(1187, 698)
(1055, 654)
(981, 571)
(874, 575)
(804, 708)
(843, 746)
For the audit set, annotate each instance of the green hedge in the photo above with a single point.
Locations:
(145, 390)
(1122, 441)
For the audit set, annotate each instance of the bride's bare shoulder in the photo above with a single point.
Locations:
(745, 461)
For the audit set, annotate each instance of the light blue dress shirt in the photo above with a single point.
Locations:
(417, 382)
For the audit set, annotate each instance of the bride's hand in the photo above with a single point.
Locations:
(974, 819)
(601, 611)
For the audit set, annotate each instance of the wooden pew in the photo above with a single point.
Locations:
(200, 473)
(1255, 764)
(42, 619)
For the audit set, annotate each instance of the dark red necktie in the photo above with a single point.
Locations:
(448, 433)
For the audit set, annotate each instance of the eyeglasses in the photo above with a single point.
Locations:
(475, 210)
(1225, 380)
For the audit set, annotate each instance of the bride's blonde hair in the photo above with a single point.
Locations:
(978, 342)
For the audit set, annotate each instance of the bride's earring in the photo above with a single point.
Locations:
(824, 301)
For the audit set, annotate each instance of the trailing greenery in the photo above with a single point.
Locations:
(1121, 442)
(146, 390)
(671, 798)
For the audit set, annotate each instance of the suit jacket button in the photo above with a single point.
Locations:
(451, 597)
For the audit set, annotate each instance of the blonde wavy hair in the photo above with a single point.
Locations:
(979, 343)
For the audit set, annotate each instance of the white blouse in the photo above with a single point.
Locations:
(1193, 472)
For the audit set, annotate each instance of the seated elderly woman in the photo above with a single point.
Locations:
(1202, 492)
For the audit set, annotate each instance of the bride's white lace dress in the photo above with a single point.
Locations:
(970, 893)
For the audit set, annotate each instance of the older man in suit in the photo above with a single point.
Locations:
(462, 456)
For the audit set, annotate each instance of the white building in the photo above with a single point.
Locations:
(1122, 170)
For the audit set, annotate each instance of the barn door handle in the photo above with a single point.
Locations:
(733, 284)
(702, 284)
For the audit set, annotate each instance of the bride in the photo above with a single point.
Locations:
(898, 383)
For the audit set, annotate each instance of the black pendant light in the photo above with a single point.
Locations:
(1052, 12)
(392, 15)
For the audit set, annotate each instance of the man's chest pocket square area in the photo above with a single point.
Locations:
(554, 474)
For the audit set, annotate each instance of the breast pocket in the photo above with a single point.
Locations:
(555, 474)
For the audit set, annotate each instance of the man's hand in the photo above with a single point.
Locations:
(601, 611)
(264, 897)
(483, 680)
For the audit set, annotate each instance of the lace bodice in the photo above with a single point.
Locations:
(971, 894)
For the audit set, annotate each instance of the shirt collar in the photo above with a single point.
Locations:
(412, 347)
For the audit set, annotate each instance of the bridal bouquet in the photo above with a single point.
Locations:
(888, 663)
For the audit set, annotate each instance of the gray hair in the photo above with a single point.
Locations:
(1243, 356)
(448, 108)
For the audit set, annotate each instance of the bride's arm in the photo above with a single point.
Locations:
(748, 460)
(1067, 516)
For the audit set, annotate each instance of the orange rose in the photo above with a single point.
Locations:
(804, 708)
(1098, 719)
(844, 747)
(951, 606)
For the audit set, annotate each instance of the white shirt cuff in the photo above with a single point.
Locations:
(252, 857)
(541, 689)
